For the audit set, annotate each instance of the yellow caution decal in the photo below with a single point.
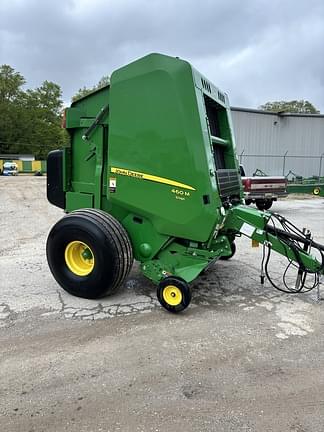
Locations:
(153, 178)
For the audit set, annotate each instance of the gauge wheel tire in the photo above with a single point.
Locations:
(316, 191)
(89, 253)
(233, 250)
(174, 294)
(263, 204)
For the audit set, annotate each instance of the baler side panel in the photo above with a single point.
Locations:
(87, 157)
(156, 130)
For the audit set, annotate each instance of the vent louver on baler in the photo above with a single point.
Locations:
(228, 182)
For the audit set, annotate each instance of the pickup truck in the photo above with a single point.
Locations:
(263, 190)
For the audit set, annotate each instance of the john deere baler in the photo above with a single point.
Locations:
(152, 173)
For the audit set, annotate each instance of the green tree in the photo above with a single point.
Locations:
(294, 106)
(11, 106)
(10, 84)
(44, 107)
(30, 120)
(105, 80)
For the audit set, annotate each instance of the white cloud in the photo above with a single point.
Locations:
(255, 50)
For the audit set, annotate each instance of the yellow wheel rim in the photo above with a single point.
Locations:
(172, 295)
(316, 191)
(79, 258)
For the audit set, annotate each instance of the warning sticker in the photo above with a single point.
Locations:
(247, 229)
(112, 184)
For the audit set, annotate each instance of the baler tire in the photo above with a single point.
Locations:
(110, 249)
(227, 257)
(119, 231)
(174, 294)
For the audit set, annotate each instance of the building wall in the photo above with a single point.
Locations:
(262, 140)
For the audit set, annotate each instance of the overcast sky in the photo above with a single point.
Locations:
(255, 50)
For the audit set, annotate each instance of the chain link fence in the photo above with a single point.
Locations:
(285, 164)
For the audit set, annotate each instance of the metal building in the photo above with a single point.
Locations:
(277, 143)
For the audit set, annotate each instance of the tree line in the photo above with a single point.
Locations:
(30, 119)
(295, 106)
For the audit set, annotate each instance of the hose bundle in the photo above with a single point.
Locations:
(299, 241)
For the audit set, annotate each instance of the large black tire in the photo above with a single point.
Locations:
(248, 201)
(109, 250)
(233, 250)
(174, 294)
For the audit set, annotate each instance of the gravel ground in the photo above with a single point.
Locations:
(241, 358)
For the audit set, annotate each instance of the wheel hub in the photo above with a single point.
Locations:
(172, 295)
(79, 258)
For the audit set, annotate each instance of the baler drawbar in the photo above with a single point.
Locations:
(152, 174)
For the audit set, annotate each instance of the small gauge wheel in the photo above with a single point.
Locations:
(316, 191)
(174, 294)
